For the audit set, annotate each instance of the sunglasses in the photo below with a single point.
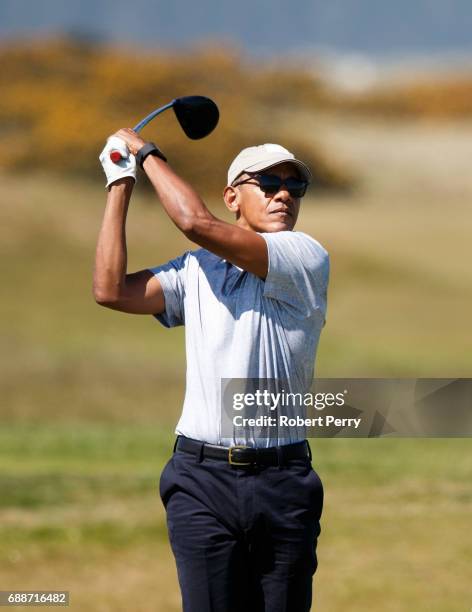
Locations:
(270, 184)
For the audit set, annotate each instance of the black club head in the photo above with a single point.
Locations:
(197, 115)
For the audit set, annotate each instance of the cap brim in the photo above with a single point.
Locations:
(303, 168)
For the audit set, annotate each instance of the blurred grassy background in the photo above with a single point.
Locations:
(90, 397)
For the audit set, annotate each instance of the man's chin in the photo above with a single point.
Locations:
(280, 225)
(275, 225)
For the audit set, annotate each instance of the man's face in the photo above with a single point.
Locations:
(264, 212)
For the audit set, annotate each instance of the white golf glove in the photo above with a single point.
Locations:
(125, 167)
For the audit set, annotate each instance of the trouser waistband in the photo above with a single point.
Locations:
(244, 456)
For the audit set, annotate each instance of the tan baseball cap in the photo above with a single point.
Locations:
(262, 157)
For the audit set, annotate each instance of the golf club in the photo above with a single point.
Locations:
(197, 116)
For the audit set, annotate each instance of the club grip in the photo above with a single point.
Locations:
(115, 156)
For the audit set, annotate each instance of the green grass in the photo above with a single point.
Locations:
(395, 513)
(83, 445)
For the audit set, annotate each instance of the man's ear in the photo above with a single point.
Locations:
(231, 198)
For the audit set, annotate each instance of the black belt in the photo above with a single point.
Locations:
(244, 456)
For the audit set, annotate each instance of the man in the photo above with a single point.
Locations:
(243, 522)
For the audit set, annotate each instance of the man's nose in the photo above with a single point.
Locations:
(282, 193)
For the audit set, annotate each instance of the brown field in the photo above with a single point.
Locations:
(90, 396)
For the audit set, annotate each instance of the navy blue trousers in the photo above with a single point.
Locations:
(244, 539)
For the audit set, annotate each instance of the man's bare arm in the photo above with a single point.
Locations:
(137, 293)
(240, 246)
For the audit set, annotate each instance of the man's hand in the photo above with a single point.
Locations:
(125, 167)
(133, 141)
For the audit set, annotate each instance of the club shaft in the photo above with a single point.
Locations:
(150, 117)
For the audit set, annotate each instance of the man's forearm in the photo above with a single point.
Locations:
(184, 206)
(181, 202)
(111, 255)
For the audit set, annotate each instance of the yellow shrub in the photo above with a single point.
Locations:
(61, 99)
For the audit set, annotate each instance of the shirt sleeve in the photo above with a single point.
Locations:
(172, 278)
(298, 272)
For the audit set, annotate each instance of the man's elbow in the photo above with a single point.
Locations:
(104, 298)
(186, 225)
(195, 226)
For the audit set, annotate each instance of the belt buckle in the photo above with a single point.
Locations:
(230, 456)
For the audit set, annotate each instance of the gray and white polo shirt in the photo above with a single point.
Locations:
(240, 326)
